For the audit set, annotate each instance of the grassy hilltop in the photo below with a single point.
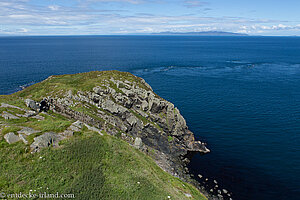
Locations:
(88, 164)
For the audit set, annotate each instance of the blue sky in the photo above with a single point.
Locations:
(97, 17)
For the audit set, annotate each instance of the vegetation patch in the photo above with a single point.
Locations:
(91, 167)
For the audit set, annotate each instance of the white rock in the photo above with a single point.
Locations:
(138, 143)
(225, 191)
(11, 138)
(188, 195)
(7, 115)
(27, 131)
(23, 138)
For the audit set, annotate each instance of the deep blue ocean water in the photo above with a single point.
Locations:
(241, 95)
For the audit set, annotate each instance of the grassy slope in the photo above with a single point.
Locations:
(89, 165)
(84, 82)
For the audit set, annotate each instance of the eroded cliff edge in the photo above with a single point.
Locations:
(119, 104)
(125, 105)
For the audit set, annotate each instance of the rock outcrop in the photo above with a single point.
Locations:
(46, 140)
(114, 103)
(27, 131)
(7, 115)
(11, 138)
(132, 110)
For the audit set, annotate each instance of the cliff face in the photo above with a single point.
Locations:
(133, 111)
(118, 104)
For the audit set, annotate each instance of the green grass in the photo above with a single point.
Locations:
(8, 129)
(140, 117)
(53, 122)
(91, 167)
(60, 84)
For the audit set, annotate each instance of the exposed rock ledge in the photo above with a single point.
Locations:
(130, 109)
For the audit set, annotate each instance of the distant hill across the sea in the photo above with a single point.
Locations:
(205, 33)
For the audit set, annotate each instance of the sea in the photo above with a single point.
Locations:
(240, 95)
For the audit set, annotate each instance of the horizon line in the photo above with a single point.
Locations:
(150, 34)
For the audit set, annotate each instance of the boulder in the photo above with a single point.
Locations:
(99, 90)
(78, 124)
(91, 128)
(28, 113)
(225, 191)
(69, 94)
(113, 107)
(138, 143)
(188, 195)
(67, 133)
(5, 105)
(44, 105)
(11, 138)
(146, 84)
(38, 117)
(27, 131)
(128, 93)
(145, 105)
(32, 104)
(74, 128)
(132, 120)
(7, 115)
(46, 140)
(23, 138)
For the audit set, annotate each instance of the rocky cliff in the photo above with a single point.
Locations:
(132, 110)
(118, 104)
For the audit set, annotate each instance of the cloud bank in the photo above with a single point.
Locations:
(81, 17)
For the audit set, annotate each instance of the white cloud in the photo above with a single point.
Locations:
(22, 30)
(20, 17)
(53, 7)
(194, 3)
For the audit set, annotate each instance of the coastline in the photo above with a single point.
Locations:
(146, 121)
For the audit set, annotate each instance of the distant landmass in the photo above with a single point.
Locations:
(205, 33)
